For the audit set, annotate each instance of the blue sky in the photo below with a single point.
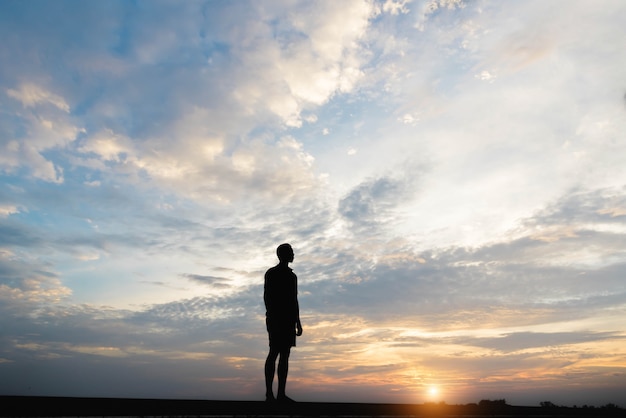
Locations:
(450, 174)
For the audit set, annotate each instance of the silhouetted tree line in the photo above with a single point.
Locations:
(610, 406)
(488, 402)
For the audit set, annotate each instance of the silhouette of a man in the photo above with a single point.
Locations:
(282, 317)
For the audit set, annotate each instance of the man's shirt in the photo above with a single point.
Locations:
(280, 294)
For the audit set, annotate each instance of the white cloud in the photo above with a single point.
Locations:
(93, 183)
(409, 119)
(333, 28)
(107, 145)
(485, 76)
(31, 133)
(40, 167)
(396, 7)
(33, 290)
(314, 54)
(7, 210)
(31, 95)
(312, 118)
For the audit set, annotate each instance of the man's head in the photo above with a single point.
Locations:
(285, 253)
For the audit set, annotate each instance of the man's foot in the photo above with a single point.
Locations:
(269, 397)
(284, 399)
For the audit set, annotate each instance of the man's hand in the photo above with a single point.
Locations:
(298, 328)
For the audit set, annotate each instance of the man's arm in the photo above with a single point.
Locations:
(267, 293)
(298, 324)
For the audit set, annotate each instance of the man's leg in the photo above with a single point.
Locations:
(270, 367)
(283, 369)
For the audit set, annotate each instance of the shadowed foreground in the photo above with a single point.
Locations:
(27, 406)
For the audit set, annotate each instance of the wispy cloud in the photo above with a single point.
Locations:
(217, 282)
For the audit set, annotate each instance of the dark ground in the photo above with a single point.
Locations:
(27, 406)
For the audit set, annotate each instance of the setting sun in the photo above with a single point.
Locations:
(433, 391)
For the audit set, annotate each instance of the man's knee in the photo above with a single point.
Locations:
(273, 354)
(284, 353)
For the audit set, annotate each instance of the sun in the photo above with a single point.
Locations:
(433, 391)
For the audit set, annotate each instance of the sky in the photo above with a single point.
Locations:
(451, 175)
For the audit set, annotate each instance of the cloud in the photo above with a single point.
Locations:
(108, 146)
(216, 282)
(387, 279)
(8, 210)
(196, 141)
(31, 95)
(375, 200)
(39, 129)
(313, 55)
(584, 208)
(359, 204)
(395, 7)
(17, 235)
(525, 340)
(24, 286)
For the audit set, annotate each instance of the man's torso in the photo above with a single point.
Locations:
(280, 293)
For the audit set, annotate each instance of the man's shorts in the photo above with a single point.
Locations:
(281, 333)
